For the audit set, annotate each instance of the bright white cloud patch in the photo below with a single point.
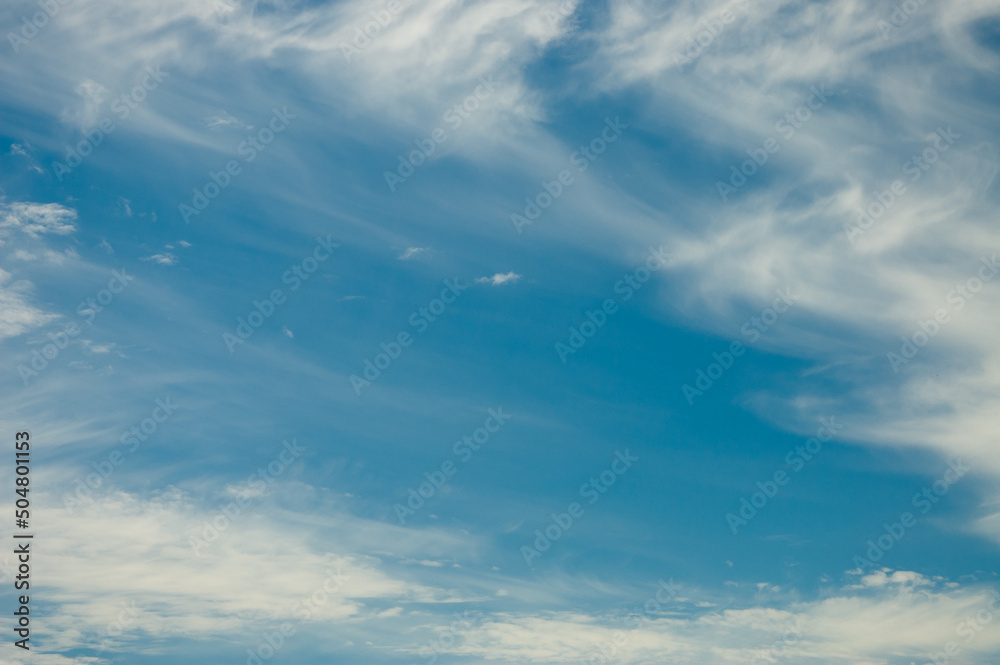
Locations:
(499, 279)
(37, 219)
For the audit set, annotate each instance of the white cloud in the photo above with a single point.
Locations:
(411, 252)
(786, 226)
(843, 629)
(163, 259)
(17, 315)
(47, 255)
(42, 658)
(753, 73)
(148, 559)
(98, 348)
(125, 206)
(86, 113)
(37, 219)
(429, 52)
(499, 279)
(249, 575)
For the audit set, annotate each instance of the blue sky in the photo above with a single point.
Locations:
(684, 313)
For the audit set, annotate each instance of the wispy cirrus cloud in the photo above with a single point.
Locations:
(163, 259)
(17, 314)
(694, 121)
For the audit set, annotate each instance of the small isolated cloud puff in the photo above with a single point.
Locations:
(165, 259)
(499, 279)
(411, 252)
(38, 218)
(98, 348)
